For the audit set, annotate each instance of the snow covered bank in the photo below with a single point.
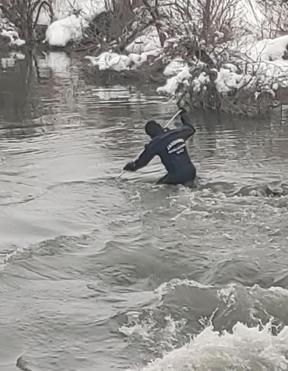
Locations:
(111, 61)
(139, 51)
(9, 32)
(245, 84)
(119, 62)
(269, 49)
(61, 32)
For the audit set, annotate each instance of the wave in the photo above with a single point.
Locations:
(245, 328)
(273, 189)
(165, 287)
(243, 349)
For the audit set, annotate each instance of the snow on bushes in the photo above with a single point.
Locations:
(119, 62)
(139, 51)
(172, 84)
(69, 27)
(8, 30)
(174, 67)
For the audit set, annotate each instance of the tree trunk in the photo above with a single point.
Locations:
(205, 34)
(154, 12)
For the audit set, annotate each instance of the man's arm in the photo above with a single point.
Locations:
(187, 129)
(143, 159)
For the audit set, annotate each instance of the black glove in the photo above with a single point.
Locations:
(131, 166)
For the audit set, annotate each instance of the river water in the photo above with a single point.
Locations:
(106, 272)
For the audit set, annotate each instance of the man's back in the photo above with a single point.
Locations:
(170, 146)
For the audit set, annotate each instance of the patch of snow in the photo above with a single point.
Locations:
(119, 62)
(174, 67)
(110, 60)
(275, 86)
(13, 36)
(198, 82)
(268, 49)
(172, 84)
(145, 43)
(138, 59)
(59, 33)
(231, 67)
(270, 73)
(227, 80)
(8, 29)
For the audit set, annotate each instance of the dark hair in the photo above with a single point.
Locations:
(152, 128)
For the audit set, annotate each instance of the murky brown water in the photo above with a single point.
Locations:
(101, 272)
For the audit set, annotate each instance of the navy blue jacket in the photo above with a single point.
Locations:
(171, 148)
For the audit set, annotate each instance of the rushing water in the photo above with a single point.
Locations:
(106, 272)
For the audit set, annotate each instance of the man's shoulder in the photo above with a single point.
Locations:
(170, 133)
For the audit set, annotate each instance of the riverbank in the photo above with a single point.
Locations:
(240, 75)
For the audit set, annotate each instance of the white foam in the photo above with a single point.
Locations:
(228, 294)
(166, 287)
(245, 348)
(147, 329)
(7, 256)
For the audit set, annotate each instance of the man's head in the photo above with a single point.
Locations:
(153, 129)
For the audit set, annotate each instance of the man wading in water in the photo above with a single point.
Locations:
(170, 146)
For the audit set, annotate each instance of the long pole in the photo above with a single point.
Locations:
(173, 118)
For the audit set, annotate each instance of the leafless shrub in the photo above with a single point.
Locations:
(207, 20)
(275, 22)
(115, 27)
(24, 14)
